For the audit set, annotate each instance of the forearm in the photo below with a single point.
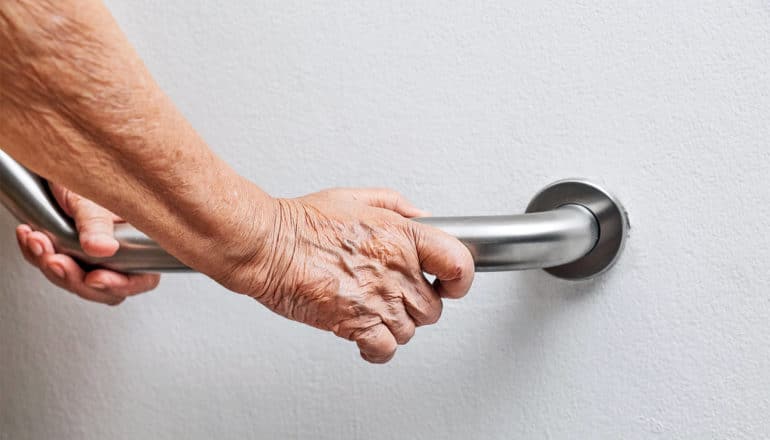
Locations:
(77, 105)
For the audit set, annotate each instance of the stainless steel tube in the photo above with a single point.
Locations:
(27, 197)
(574, 227)
(525, 241)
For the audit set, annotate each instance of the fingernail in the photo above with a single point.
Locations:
(36, 249)
(57, 270)
(97, 285)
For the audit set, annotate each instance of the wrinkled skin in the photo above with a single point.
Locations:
(350, 261)
(80, 108)
(343, 260)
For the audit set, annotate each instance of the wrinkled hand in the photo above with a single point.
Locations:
(95, 227)
(351, 262)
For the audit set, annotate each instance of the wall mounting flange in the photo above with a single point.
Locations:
(610, 215)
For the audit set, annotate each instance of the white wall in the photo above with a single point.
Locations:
(469, 108)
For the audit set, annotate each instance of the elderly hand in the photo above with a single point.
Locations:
(95, 227)
(349, 261)
(79, 97)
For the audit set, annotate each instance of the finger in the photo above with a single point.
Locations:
(399, 322)
(63, 196)
(37, 246)
(22, 232)
(95, 227)
(422, 302)
(68, 199)
(118, 284)
(445, 257)
(94, 223)
(64, 272)
(376, 343)
(388, 199)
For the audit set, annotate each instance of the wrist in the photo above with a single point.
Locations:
(219, 224)
(254, 257)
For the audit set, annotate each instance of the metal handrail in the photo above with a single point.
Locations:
(572, 228)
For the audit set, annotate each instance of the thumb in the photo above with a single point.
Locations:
(95, 228)
(95, 224)
(388, 199)
(445, 257)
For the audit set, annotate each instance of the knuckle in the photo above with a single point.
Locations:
(434, 313)
(374, 342)
(462, 266)
(95, 218)
(457, 271)
(404, 332)
(390, 193)
(92, 223)
(75, 202)
(366, 337)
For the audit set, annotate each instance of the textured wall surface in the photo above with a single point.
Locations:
(469, 108)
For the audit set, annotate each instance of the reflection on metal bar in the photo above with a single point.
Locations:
(573, 228)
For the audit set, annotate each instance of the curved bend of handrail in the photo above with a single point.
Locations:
(28, 198)
(512, 242)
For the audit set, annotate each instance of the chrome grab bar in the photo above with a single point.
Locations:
(573, 228)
